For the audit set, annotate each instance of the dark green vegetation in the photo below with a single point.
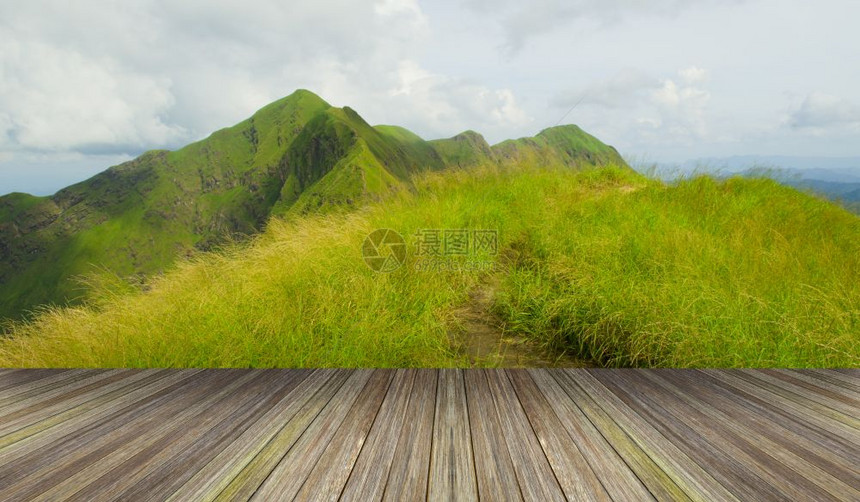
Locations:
(296, 156)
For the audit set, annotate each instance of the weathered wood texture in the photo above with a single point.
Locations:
(576, 434)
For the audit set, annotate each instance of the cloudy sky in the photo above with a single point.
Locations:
(88, 84)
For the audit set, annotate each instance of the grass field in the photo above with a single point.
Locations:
(604, 264)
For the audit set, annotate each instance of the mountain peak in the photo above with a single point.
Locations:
(561, 129)
(298, 154)
(302, 95)
(469, 135)
(300, 99)
(466, 149)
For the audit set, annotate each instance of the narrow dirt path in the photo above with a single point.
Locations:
(478, 334)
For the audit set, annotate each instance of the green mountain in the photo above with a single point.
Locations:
(294, 156)
(466, 149)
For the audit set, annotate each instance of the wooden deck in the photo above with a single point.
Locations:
(429, 434)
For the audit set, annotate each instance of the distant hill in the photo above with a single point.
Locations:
(835, 169)
(294, 156)
(847, 192)
(832, 185)
(836, 178)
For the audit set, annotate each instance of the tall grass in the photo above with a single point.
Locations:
(604, 264)
(699, 273)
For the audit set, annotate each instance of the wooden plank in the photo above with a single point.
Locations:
(78, 433)
(155, 471)
(367, 479)
(121, 469)
(77, 419)
(72, 396)
(808, 392)
(207, 482)
(833, 448)
(496, 477)
(18, 376)
(45, 386)
(659, 410)
(833, 377)
(534, 474)
(615, 476)
(692, 478)
(13, 376)
(799, 466)
(418, 434)
(285, 481)
(806, 459)
(191, 448)
(661, 485)
(821, 405)
(79, 450)
(834, 392)
(252, 474)
(735, 455)
(452, 464)
(788, 402)
(408, 476)
(42, 380)
(48, 395)
(327, 480)
(572, 471)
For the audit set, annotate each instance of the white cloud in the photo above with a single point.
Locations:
(56, 99)
(521, 21)
(693, 75)
(682, 105)
(821, 113)
(90, 77)
(408, 8)
(622, 90)
(436, 105)
(644, 109)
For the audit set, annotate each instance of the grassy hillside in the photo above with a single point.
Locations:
(564, 145)
(136, 218)
(296, 156)
(466, 149)
(603, 263)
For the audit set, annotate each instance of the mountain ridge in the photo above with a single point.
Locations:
(294, 156)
